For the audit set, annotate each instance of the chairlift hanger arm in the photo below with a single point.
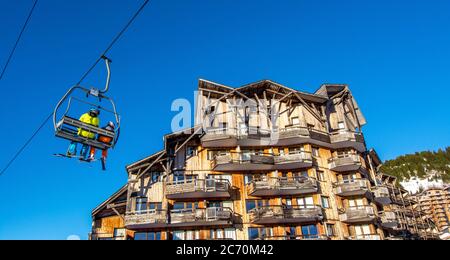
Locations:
(108, 77)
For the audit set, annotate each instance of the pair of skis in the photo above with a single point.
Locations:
(82, 159)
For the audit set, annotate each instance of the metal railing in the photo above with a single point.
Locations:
(153, 216)
(204, 215)
(346, 135)
(357, 213)
(295, 237)
(293, 157)
(348, 159)
(365, 237)
(294, 183)
(286, 212)
(198, 185)
(351, 186)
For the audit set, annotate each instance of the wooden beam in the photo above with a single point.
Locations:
(213, 91)
(310, 110)
(151, 165)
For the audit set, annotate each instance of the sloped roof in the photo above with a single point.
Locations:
(111, 199)
(273, 87)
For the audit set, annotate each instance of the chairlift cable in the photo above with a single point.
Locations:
(8, 61)
(114, 41)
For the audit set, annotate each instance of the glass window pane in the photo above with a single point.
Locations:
(253, 233)
(250, 204)
(140, 236)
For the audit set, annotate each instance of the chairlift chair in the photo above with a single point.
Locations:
(66, 127)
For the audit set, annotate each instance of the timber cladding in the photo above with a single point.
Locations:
(265, 162)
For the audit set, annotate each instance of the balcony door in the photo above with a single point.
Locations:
(362, 231)
(356, 203)
(310, 232)
(349, 178)
(305, 202)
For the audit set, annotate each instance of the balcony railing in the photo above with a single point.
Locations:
(365, 237)
(283, 186)
(358, 214)
(293, 161)
(352, 188)
(219, 137)
(146, 219)
(345, 139)
(389, 219)
(349, 162)
(295, 237)
(201, 217)
(382, 195)
(259, 161)
(198, 188)
(284, 215)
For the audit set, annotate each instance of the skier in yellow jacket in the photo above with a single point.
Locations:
(90, 118)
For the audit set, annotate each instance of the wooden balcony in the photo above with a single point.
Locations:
(219, 138)
(286, 215)
(295, 237)
(389, 220)
(297, 135)
(382, 195)
(185, 218)
(146, 219)
(261, 162)
(240, 162)
(365, 237)
(293, 161)
(198, 189)
(359, 214)
(358, 187)
(348, 139)
(275, 187)
(347, 163)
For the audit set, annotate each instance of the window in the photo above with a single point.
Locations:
(315, 152)
(257, 233)
(154, 206)
(295, 121)
(300, 175)
(320, 175)
(223, 126)
(361, 231)
(155, 177)
(211, 110)
(185, 205)
(331, 230)
(120, 233)
(228, 233)
(254, 177)
(325, 202)
(306, 202)
(291, 233)
(191, 151)
(341, 125)
(141, 205)
(148, 236)
(212, 154)
(356, 203)
(349, 178)
(296, 150)
(310, 231)
(253, 204)
(288, 203)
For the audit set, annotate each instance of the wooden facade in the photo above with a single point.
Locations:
(264, 162)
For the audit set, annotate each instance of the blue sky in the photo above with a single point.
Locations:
(393, 54)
